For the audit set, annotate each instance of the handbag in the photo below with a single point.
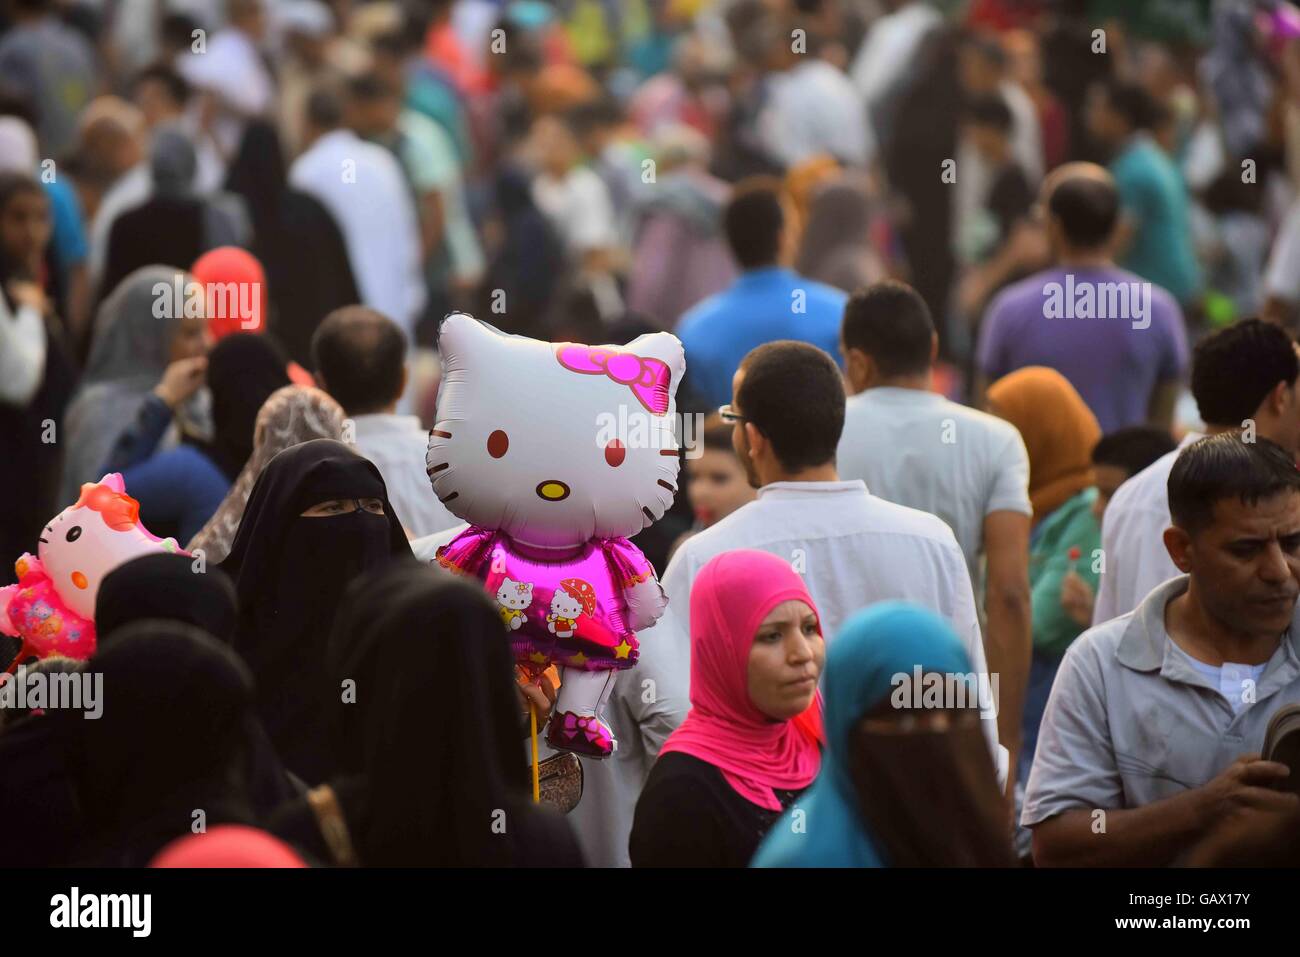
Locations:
(560, 779)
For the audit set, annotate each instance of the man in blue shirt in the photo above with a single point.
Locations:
(769, 301)
(1154, 238)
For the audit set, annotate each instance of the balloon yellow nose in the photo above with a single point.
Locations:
(79, 579)
(553, 491)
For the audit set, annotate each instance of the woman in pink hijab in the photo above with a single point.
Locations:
(752, 740)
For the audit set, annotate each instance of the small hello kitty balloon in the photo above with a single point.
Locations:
(52, 608)
(555, 454)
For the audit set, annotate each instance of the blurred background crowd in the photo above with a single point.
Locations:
(587, 169)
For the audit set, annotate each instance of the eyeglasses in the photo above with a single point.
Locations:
(730, 415)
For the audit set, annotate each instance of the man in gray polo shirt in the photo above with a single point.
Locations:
(1154, 725)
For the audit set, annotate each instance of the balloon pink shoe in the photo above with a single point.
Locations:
(583, 734)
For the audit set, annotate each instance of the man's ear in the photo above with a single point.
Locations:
(406, 377)
(1179, 546)
(756, 441)
(858, 369)
(934, 347)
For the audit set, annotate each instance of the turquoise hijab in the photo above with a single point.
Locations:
(874, 645)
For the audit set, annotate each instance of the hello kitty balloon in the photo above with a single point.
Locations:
(52, 608)
(555, 454)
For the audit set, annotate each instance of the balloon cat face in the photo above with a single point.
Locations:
(87, 540)
(555, 444)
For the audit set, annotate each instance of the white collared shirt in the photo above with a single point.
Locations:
(362, 186)
(1132, 539)
(918, 449)
(397, 444)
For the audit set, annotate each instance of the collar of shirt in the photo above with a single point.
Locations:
(900, 395)
(1145, 645)
(795, 490)
(377, 423)
(765, 276)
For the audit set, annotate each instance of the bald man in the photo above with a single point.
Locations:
(1119, 339)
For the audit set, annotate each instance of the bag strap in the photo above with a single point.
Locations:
(324, 803)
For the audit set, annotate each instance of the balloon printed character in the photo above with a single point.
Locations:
(52, 608)
(556, 453)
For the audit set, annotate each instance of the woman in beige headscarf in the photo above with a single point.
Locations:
(291, 416)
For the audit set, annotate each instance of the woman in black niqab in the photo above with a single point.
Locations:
(172, 737)
(290, 571)
(433, 762)
(164, 585)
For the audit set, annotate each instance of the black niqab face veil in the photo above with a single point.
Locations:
(291, 572)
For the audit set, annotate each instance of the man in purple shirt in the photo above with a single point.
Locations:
(1119, 339)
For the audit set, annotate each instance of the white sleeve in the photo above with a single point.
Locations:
(1106, 606)
(22, 354)
(1282, 276)
(965, 621)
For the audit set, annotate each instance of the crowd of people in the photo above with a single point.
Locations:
(989, 312)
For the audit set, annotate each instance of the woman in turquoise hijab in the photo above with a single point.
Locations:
(899, 785)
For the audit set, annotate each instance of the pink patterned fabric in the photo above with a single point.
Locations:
(730, 597)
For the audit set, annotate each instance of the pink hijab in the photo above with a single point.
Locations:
(730, 597)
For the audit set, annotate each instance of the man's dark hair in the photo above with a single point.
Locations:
(325, 108)
(1087, 209)
(1132, 449)
(1132, 102)
(1233, 369)
(1222, 467)
(592, 115)
(753, 221)
(178, 88)
(990, 110)
(793, 393)
(891, 323)
(371, 88)
(360, 354)
(177, 31)
(985, 46)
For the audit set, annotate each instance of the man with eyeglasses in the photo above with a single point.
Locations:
(852, 548)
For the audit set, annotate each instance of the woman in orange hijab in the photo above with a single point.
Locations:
(1059, 432)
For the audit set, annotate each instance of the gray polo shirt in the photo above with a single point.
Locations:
(1130, 721)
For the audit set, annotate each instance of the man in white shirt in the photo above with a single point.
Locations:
(913, 447)
(888, 52)
(362, 186)
(1243, 378)
(813, 108)
(360, 359)
(853, 548)
(231, 70)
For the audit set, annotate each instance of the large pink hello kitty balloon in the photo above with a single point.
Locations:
(52, 608)
(555, 454)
